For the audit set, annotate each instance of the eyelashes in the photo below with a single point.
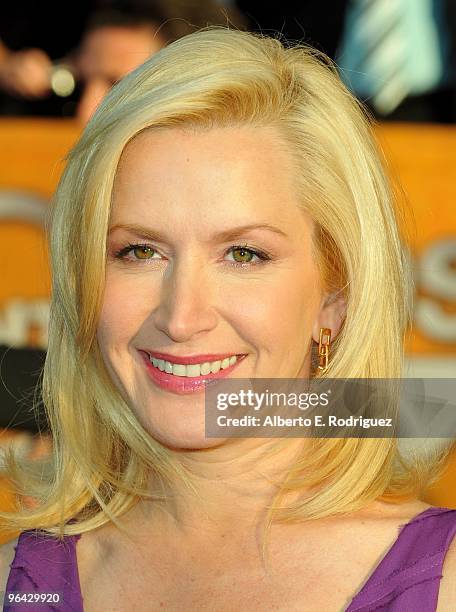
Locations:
(123, 252)
(250, 251)
(146, 253)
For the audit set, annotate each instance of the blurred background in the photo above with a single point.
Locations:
(58, 61)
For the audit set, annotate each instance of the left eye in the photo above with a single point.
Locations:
(143, 252)
(243, 254)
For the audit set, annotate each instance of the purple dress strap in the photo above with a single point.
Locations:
(408, 577)
(43, 564)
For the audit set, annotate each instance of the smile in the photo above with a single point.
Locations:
(194, 369)
(191, 377)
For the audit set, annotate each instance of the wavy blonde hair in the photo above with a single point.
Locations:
(219, 77)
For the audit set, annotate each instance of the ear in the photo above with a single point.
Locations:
(332, 314)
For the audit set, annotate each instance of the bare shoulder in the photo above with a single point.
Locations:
(447, 590)
(403, 512)
(7, 552)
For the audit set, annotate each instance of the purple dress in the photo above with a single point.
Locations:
(407, 578)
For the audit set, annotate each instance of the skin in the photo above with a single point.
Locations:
(107, 54)
(188, 298)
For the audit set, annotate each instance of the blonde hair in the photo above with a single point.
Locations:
(218, 77)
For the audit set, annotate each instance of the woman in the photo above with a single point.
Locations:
(224, 208)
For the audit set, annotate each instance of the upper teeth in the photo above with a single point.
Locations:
(194, 369)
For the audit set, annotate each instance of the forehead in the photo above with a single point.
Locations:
(205, 180)
(224, 155)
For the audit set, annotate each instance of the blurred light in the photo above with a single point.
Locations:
(62, 81)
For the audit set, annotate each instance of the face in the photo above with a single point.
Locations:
(106, 55)
(209, 260)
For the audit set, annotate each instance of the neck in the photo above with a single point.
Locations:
(229, 490)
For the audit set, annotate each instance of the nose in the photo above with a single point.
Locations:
(186, 305)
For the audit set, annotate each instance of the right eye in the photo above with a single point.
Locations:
(141, 252)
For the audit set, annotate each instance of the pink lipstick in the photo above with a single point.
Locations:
(184, 385)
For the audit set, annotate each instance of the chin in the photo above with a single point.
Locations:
(187, 432)
(186, 441)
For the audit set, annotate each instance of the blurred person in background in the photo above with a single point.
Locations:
(397, 56)
(97, 43)
(122, 35)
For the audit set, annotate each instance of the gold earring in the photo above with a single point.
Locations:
(323, 348)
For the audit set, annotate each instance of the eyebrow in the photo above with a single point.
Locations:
(223, 236)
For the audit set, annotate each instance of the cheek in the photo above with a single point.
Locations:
(126, 305)
(293, 315)
(277, 311)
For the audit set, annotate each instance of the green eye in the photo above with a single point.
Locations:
(143, 252)
(136, 252)
(244, 255)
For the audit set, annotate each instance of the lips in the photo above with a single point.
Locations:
(185, 385)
